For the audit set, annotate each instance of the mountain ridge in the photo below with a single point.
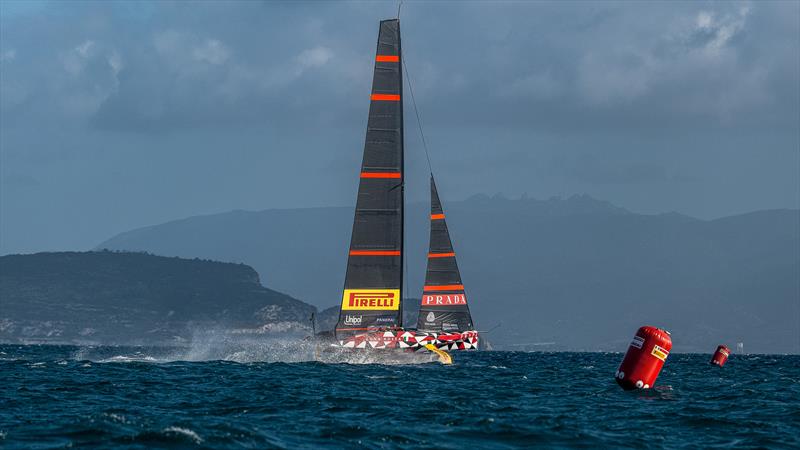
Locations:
(542, 266)
(136, 298)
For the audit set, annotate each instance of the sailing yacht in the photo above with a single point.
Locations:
(371, 313)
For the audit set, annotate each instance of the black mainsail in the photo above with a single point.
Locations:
(373, 283)
(444, 304)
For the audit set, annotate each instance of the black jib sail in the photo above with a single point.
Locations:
(372, 287)
(444, 304)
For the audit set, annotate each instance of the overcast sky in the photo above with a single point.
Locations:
(118, 115)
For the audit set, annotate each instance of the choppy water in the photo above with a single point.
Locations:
(143, 398)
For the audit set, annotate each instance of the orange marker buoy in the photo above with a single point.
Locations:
(720, 356)
(644, 359)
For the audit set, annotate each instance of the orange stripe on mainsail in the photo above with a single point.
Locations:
(446, 287)
(386, 97)
(387, 58)
(380, 174)
(440, 255)
(437, 216)
(374, 252)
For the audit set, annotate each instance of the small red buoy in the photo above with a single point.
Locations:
(644, 359)
(720, 356)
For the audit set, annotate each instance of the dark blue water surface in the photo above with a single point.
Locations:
(56, 396)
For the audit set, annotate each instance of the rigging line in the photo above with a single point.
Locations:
(404, 292)
(404, 287)
(416, 113)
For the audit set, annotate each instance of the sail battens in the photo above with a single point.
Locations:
(374, 252)
(381, 175)
(441, 255)
(446, 287)
(385, 97)
(371, 298)
(375, 211)
(385, 70)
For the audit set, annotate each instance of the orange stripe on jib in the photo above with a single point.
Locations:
(440, 255)
(446, 287)
(437, 216)
(380, 174)
(386, 97)
(374, 252)
(387, 58)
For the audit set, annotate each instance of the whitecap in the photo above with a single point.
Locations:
(116, 417)
(185, 432)
(123, 358)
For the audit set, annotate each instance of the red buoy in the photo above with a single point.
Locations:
(720, 356)
(645, 358)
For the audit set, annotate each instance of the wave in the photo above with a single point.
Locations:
(551, 400)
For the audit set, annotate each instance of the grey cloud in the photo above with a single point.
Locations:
(210, 106)
(608, 60)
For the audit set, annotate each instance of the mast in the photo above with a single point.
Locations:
(372, 292)
(402, 169)
(443, 306)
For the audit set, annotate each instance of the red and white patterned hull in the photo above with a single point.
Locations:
(411, 340)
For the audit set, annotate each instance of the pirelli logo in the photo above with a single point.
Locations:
(371, 299)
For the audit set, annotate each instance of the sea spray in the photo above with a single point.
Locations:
(224, 345)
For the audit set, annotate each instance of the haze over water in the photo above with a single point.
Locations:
(138, 397)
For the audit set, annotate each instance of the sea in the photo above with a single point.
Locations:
(275, 395)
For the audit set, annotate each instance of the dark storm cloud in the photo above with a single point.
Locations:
(177, 65)
(548, 66)
(212, 106)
